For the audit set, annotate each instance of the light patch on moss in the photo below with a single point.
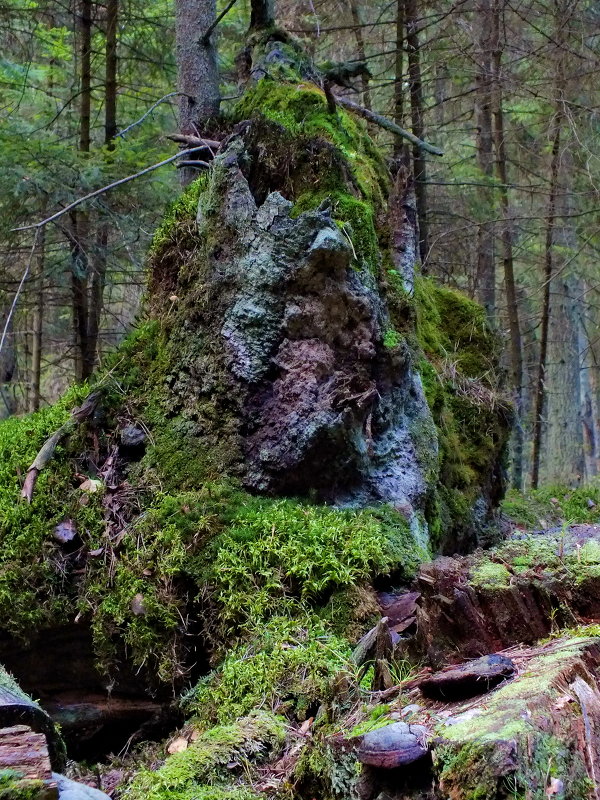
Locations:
(208, 768)
(490, 575)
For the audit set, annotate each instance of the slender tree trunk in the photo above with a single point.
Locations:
(416, 107)
(486, 274)
(197, 70)
(100, 256)
(262, 13)
(361, 51)
(38, 318)
(399, 76)
(512, 306)
(85, 51)
(540, 387)
(79, 219)
(110, 95)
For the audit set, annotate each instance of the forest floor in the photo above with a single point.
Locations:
(508, 704)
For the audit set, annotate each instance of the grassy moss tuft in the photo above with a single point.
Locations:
(208, 768)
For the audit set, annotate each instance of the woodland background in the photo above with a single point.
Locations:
(507, 88)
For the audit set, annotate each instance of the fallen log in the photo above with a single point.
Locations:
(18, 709)
(25, 764)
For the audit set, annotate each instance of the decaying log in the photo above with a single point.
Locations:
(17, 708)
(25, 753)
(78, 415)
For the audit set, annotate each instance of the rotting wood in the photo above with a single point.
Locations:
(26, 753)
(46, 452)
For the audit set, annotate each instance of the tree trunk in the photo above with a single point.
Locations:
(540, 387)
(110, 96)
(197, 71)
(399, 76)
(486, 277)
(512, 307)
(38, 317)
(262, 14)
(361, 51)
(416, 107)
(563, 460)
(85, 50)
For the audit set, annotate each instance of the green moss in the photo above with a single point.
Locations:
(208, 768)
(14, 786)
(32, 580)
(553, 505)
(355, 217)
(280, 555)
(391, 339)
(182, 209)
(289, 664)
(490, 575)
(302, 109)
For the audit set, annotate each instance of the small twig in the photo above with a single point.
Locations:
(83, 412)
(104, 189)
(388, 125)
(150, 110)
(206, 36)
(19, 289)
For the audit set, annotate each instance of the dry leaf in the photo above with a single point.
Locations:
(91, 486)
(177, 745)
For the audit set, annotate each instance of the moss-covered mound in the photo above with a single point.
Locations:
(287, 425)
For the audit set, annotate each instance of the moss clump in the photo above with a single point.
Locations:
(553, 505)
(181, 212)
(490, 575)
(355, 217)
(301, 108)
(213, 764)
(33, 572)
(14, 786)
(280, 556)
(288, 665)
(458, 367)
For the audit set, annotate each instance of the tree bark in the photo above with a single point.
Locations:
(399, 75)
(262, 13)
(506, 235)
(540, 387)
(38, 317)
(418, 128)
(197, 70)
(110, 95)
(486, 276)
(85, 51)
(361, 52)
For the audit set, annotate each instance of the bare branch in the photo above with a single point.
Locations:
(150, 110)
(225, 11)
(104, 189)
(193, 164)
(388, 125)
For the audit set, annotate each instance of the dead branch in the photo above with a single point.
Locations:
(150, 110)
(194, 141)
(104, 189)
(46, 452)
(206, 36)
(388, 125)
(193, 164)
